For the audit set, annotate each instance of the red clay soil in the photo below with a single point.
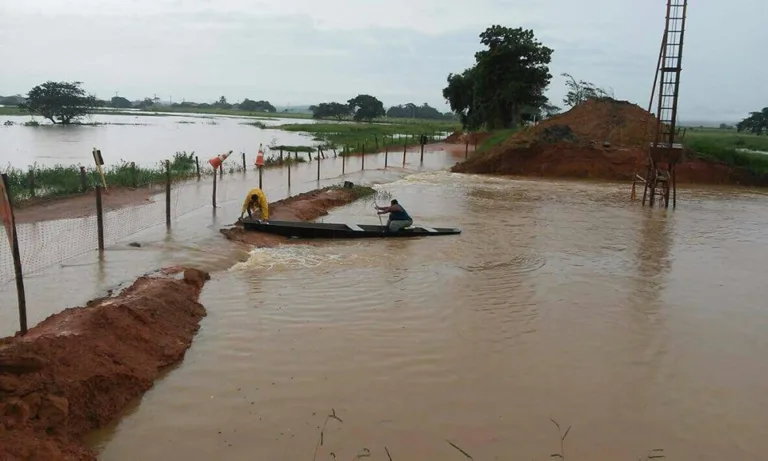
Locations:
(76, 370)
(303, 207)
(600, 139)
(80, 205)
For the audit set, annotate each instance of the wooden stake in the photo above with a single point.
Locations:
(99, 219)
(213, 199)
(20, 294)
(168, 194)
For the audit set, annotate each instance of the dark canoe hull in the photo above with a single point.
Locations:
(309, 230)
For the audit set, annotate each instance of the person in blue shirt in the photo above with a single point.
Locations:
(398, 217)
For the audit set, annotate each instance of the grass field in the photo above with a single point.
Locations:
(724, 145)
(370, 137)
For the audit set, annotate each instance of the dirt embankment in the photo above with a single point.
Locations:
(76, 370)
(303, 207)
(459, 137)
(600, 139)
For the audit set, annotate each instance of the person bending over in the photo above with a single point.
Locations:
(255, 201)
(398, 217)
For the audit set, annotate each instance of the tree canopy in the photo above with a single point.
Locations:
(411, 110)
(59, 102)
(120, 102)
(581, 91)
(756, 123)
(256, 106)
(510, 74)
(366, 107)
(335, 110)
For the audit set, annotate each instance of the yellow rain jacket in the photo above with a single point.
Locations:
(262, 202)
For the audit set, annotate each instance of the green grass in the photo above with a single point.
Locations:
(60, 180)
(371, 137)
(723, 145)
(496, 138)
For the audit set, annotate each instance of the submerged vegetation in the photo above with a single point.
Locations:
(372, 137)
(60, 180)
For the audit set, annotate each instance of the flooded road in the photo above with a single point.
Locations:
(640, 328)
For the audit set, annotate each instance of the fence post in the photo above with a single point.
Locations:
(405, 149)
(466, 150)
(289, 175)
(134, 178)
(197, 166)
(343, 163)
(83, 180)
(99, 218)
(32, 182)
(318, 166)
(221, 171)
(386, 155)
(281, 156)
(423, 138)
(261, 176)
(20, 294)
(296, 156)
(213, 200)
(168, 194)
(244, 167)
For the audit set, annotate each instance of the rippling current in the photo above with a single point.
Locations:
(640, 328)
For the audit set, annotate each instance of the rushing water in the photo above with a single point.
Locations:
(640, 328)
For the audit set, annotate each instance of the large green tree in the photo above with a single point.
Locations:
(120, 102)
(411, 110)
(60, 102)
(509, 75)
(366, 107)
(756, 123)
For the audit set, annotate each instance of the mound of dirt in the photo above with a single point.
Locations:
(600, 139)
(303, 207)
(76, 370)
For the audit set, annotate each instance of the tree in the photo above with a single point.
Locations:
(335, 110)
(366, 108)
(581, 91)
(510, 74)
(146, 103)
(120, 102)
(222, 103)
(59, 102)
(411, 110)
(756, 123)
(256, 106)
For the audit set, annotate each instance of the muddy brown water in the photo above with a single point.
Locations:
(640, 328)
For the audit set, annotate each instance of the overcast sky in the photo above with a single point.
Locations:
(308, 51)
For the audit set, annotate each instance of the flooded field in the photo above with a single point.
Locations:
(640, 328)
(141, 139)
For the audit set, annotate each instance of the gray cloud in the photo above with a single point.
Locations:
(306, 51)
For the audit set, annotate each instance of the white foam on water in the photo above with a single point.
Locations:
(293, 257)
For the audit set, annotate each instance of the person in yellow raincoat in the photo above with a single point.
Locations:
(255, 200)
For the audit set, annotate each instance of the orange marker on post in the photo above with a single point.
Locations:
(218, 160)
(260, 157)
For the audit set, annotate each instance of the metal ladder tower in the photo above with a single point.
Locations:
(664, 153)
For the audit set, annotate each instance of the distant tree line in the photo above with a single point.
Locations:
(65, 102)
(367, 108)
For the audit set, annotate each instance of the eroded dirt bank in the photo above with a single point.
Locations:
(303, 207)
(600, 139)
(76, 370)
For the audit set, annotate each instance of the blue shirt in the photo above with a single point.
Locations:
(399, 215)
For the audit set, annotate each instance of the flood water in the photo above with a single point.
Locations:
(142, 139)
(640, 328)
